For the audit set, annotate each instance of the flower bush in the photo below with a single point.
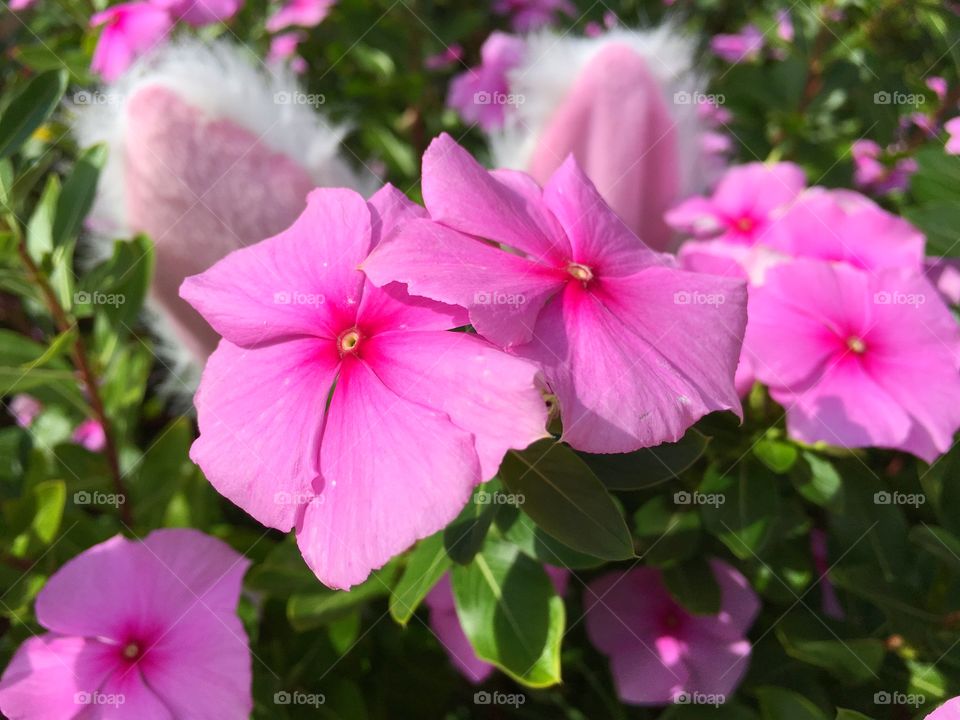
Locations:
(528, 358)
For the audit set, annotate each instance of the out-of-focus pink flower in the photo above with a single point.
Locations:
(305, 13)
(821, 563)
(130, 29)
(442, 60)
(17, 5)
(659, 652)
(283, 48)
(869, 173)
(137, 629)
(944, 274)
(482, 94)
(90, 434)
(939, 86)
(446, 625)
(572, 288)
(200, 12)
(950, 710)
(858, 358)
(416, 416)
(953, 141)
(744, 205)
(527, 15)
(738, 47)
(24, 409)
(785, 26)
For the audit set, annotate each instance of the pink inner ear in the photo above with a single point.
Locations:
(201, 187)
(617, 124)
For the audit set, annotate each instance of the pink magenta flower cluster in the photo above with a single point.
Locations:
(845, 330)
(339, 404)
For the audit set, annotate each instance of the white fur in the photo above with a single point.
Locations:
(553, 63)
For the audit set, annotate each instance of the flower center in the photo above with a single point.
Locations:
(348, 341)
(131, 651)
(671, 620)
(580, 272)
(856, 345)
(745, 224)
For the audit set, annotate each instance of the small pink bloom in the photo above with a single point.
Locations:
(744, 205)
(24, 409)
(17, 5)
(418, 416)
(446, 625)
(527, 15)
(555, 276)
(953, 141)
(130, 30)
(481, 94)
(944, 274)
(200, 12)
(283, 48)
(305, 13)
(137, 629)
(870, 173)
(739, 47)
(442, 60)
(858, 358)
(90, 434)
(658, 650)
(939, 87)
(785, 29)
(950, 710)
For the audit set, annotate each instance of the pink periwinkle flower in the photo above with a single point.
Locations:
(944, 274)
(950, 710)
(137, 629)
(482, 94)
(283, 48)
(200, 12)
(450, 56)
(304, 13)
(939, 86)
(17, 5)
(130, 29)
(343, 409)
(953, 131)
(527, 15)
(858, 358)
(870, 173)
(91, 435)
(785, 30)
(446, 625)
(745, 45)
(555, 276)
(659, 652)
(24, 409)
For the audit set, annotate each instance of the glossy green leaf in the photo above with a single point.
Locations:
(648, 467)
(30, 109)
(77, 194)
(426, 564)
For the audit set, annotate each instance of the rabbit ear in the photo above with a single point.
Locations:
(207, 154)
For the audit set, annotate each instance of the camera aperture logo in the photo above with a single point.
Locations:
(496, 697)
(97, 498)
(885, 497)
(297, 697)
(685, 497)
(95, 297)
(687, 697)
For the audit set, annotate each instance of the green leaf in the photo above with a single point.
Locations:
(666, 534)
(563, 496)
(937, 177)
(50, 496)
(845, 714)
(749, 509)
(940, 222)
(463, 538)
(650, 466)
(852, 661)
(30, 109)
(317, 609)
(426, 564)
(118, 286)
(520, 529)
(40, 226)
(283, 572)
(778, 455)
(511, 614)
(694, 586)
(77, 194)
(938, 542)
(782, 704)
(817, 480)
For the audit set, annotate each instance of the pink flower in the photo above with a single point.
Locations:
(137, 629)
(24, 409)
(527, 15)
(283, 48)
(418, 416)
(950, 710)
(200, 12)
(445, 624)
(739, 47)
(944, 274)
(939, 86)
(744, 205)
(17, 5)
(90, 434)
(608, 319)
(953, 130)
(858, 358)
(305, 13)
(658, 651)
(785, 29)
(481, 94)
(869, 173)
(442, 60)
(130, 29)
